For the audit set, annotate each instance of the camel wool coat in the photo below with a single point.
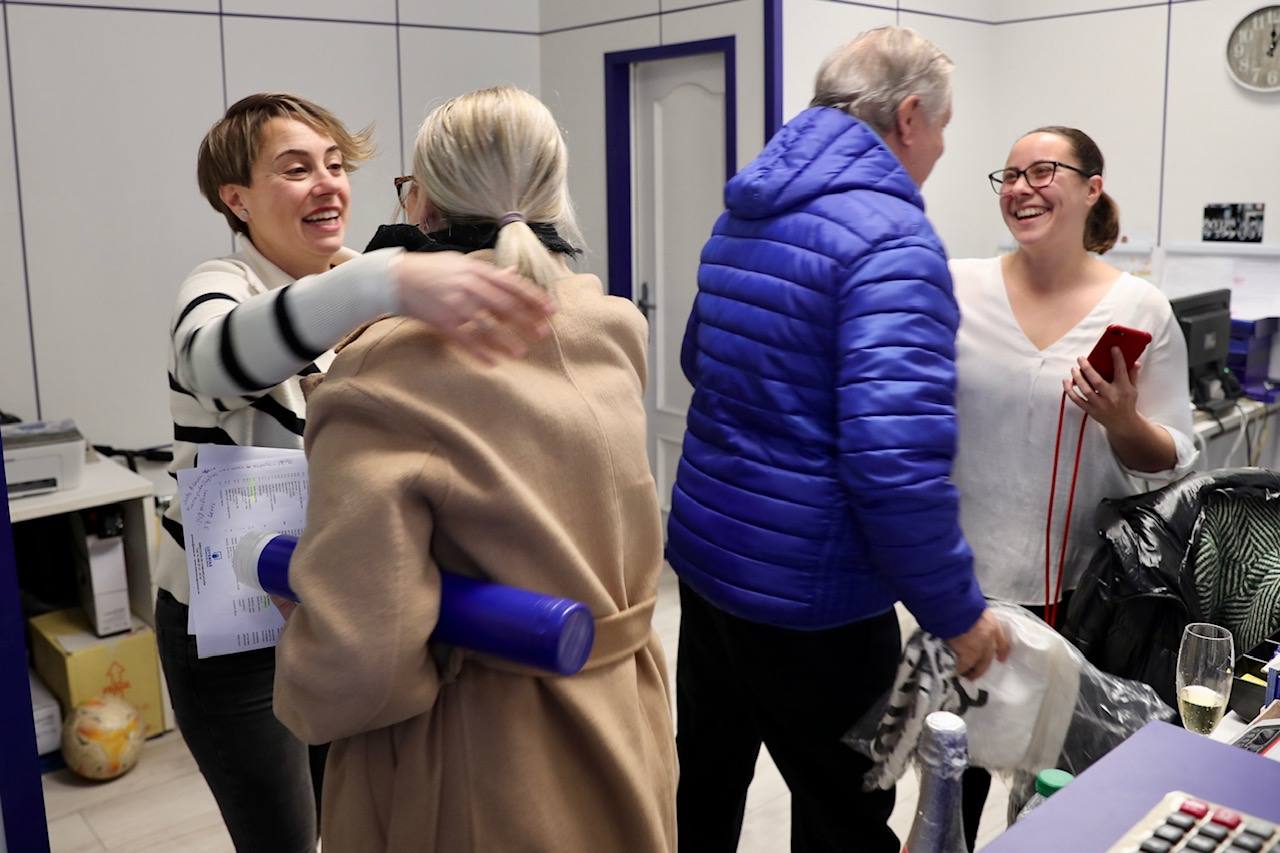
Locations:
(531, 473)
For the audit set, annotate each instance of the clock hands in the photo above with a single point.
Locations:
(1271, 51)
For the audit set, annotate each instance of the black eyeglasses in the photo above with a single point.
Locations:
(1039, 174)
(400, 191)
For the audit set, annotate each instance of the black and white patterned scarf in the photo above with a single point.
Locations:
(927, 681)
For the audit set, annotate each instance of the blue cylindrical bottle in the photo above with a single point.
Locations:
(517, 625)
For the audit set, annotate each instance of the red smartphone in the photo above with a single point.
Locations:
(1131, 343)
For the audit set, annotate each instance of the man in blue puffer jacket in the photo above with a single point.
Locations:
(813, 490)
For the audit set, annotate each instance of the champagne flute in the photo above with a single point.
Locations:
(1204, 675)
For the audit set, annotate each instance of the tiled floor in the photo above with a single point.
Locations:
(164, 805)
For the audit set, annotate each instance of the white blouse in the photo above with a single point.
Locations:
(1007, 400)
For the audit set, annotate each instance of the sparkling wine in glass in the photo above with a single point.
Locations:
(1204, 675)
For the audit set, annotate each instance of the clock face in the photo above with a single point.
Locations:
(1253, 51)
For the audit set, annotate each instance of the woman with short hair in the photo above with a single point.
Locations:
(245, 329)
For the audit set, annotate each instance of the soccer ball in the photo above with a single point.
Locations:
(102, 738)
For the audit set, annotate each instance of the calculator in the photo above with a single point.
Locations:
(1182, 823)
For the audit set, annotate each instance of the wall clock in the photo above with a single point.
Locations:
(1253, 50)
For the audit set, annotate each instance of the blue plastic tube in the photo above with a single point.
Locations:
(517, 625)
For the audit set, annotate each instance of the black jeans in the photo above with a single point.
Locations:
(740, 684)
(265, 780)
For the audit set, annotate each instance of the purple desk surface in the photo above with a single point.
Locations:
(1095, 810)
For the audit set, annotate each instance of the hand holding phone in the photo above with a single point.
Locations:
(1131, 342)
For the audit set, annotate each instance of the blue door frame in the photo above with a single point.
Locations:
(617, 135)
(20, 792)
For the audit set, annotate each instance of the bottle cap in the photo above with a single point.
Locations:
(244, 561)
(1049, 782)
(944, 744)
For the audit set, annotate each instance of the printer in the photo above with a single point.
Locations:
(42, 456)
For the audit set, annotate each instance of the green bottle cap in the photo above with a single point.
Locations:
(1049, 782)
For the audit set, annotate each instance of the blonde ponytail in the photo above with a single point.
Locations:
(519, 247)
(497, 156)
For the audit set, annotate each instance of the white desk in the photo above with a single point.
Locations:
(104, 482)
(1222, 445)
(1230, 727)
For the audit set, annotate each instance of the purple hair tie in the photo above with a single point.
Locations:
(509, 217)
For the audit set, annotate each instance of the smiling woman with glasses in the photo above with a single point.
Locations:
(1028, 318)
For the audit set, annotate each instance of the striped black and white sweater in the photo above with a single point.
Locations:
(244, 333)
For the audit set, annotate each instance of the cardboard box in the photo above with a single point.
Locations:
(48, 716)
(77, 665)
(104, 584)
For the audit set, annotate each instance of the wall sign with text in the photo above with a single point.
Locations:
(1233, 223)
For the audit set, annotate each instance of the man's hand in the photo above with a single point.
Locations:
(976, 647)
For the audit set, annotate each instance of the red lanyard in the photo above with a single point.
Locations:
(1053, 591)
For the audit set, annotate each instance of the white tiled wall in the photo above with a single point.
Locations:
(435, 65)
(1013, 10)
(208, 6)
(107, 135)
(268, 55)
(811, 29)
(979, 10)
(110, 107)
(573, 87)
(521, 15)
(957, 195)
(1222, 140)
(358, 10)
(1111, 85)
(1095, 64)
(557, 14)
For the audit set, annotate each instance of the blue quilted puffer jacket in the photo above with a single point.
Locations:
(814, 488)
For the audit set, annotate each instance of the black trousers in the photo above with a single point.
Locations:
(266, 782)
(977, 782)
(740, 684)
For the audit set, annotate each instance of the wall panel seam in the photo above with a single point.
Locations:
(1164, 122)
(22, 225)
(397, 22)
(899, 9)
(265, 17)
(400, 89)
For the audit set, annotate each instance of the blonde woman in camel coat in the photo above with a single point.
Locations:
(532, 474)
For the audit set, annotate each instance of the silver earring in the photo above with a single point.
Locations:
(243, 214)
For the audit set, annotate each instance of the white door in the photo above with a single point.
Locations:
(678, 176)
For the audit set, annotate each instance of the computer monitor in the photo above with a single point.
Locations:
(1205, 319)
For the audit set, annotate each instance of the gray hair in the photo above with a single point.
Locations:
(872, 75)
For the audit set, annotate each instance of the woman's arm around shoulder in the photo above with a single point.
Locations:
(234, 337)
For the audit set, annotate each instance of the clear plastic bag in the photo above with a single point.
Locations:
(1046, 706)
